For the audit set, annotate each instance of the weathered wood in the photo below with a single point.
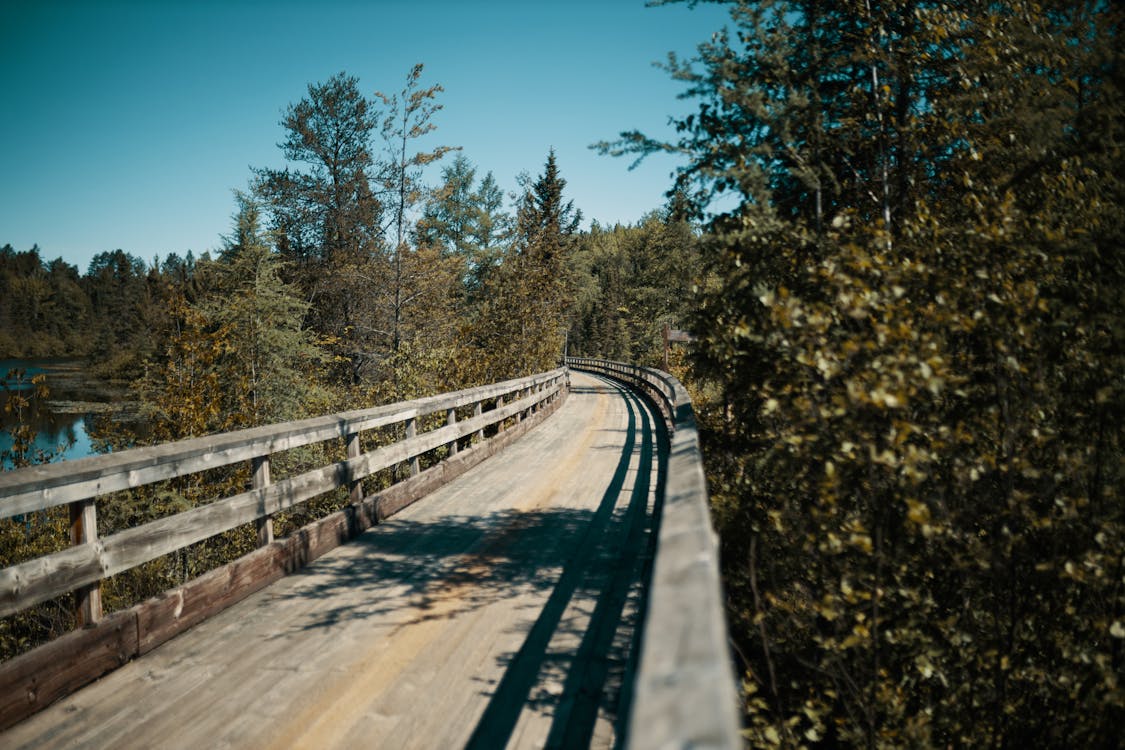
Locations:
(685, 691)
(411, 433)
(84, 530)
(43, 578)
(355, 487)
(397, 638)
(39, 487)
(36, 679)
(260, 468)
(451, 420)
(67, 663)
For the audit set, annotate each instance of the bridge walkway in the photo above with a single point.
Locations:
(498, 611)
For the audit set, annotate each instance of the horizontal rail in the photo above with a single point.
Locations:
(80, 482)
(40, 487)
(685, 692)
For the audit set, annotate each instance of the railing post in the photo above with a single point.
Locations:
(519, 414)
(355, 488)
(412, 431)
(477, 411)
(261, 469)
(451, 420)
(84, 530)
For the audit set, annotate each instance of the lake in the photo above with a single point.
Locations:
(63, 423)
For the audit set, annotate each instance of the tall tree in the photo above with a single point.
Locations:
(329, 209)
(528, 298)
(240, 355)
(407, 117)
(327, 218)
(918, 483)
(466, 220)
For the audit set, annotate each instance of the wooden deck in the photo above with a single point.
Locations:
(496, 612)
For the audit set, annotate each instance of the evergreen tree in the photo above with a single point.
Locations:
(327, 219)
(239, 356)
(466, 220)
(525, 313)
(330, 209)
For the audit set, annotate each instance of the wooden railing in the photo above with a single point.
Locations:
(685, 692)
(61, 666)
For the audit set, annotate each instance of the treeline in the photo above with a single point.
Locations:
(346, 281)
(910, 340)
(49, 309)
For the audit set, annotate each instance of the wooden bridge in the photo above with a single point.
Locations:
(562, 593)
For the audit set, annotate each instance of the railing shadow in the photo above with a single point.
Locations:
(414, 570)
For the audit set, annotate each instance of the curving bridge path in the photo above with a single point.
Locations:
(500, 610)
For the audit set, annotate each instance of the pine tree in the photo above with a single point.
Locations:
(525, 313)
(327, 219)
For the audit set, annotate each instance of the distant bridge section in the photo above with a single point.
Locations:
(685, 685)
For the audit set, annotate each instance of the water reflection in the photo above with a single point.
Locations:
(60, 432)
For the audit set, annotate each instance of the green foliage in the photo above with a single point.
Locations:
(523, 318)
(465, 219)
(631, 282)
(238, 356)
(43, 309)
(911, 336)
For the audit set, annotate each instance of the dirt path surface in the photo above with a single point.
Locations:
(496, 612)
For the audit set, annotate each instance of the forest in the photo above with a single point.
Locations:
(897, 239)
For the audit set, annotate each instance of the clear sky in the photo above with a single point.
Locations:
(127, 124)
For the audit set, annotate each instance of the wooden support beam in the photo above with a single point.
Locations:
(355, 487)
(450, 420)
(261, 469)
(411, 432)
(84, 530)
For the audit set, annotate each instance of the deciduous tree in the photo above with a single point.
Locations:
(913, 462)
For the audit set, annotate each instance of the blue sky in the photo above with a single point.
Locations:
(127, 124)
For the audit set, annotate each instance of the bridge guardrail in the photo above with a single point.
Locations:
(33, 680)
(685, 692)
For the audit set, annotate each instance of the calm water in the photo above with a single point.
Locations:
(62, 431)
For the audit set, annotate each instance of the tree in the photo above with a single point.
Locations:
(124, 313)
(467, 221)
(407, 117)
(524, 315)
(327, 219)
(240, 355)
(330, 132)
(632, 282)
(914, 469)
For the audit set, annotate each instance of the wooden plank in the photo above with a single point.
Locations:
(260, 468)
(171, 613)
(451, 420)
(31, 681)
(355, 490)
(43, 578)
(411, 433)
(403, 494)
